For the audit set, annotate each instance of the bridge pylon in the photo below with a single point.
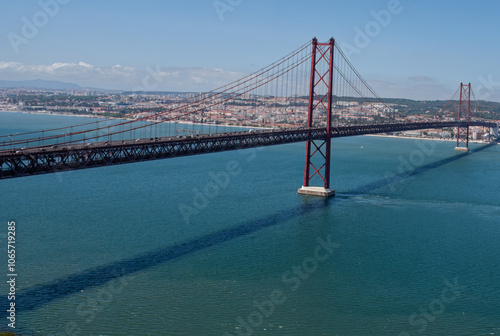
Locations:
(464, 118)
(317, 160)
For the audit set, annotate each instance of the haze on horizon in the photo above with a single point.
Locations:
(405, 49)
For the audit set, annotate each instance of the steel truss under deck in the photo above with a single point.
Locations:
(41, 160)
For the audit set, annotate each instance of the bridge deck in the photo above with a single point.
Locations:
(50, 159)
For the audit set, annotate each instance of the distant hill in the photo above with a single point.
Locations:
(40, 84)
(479, 108)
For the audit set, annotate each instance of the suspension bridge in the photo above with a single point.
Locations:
(303, 97)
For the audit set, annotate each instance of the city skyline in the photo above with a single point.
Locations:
(404, 49)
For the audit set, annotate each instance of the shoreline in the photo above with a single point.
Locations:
(225, 125)
(62, 114)
(422, 138)
(115, 118)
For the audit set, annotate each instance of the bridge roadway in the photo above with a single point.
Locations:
(51, 159)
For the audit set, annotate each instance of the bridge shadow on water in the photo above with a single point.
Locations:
(393, 179)
(39, 295)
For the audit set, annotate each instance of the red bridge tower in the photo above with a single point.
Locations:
(317, 163)
(464, 117)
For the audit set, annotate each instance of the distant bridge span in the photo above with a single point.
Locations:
(51, 159)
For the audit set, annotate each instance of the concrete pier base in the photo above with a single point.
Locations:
(316, 191)
(461, 149)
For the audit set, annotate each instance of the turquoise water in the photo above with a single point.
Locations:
(221, 244)
(61, 129)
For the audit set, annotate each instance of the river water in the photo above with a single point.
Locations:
(221, 244)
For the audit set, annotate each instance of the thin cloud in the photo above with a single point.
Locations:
(411, 89)
(122, 77)
(421, 79)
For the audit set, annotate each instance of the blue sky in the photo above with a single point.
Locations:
(422, 50)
